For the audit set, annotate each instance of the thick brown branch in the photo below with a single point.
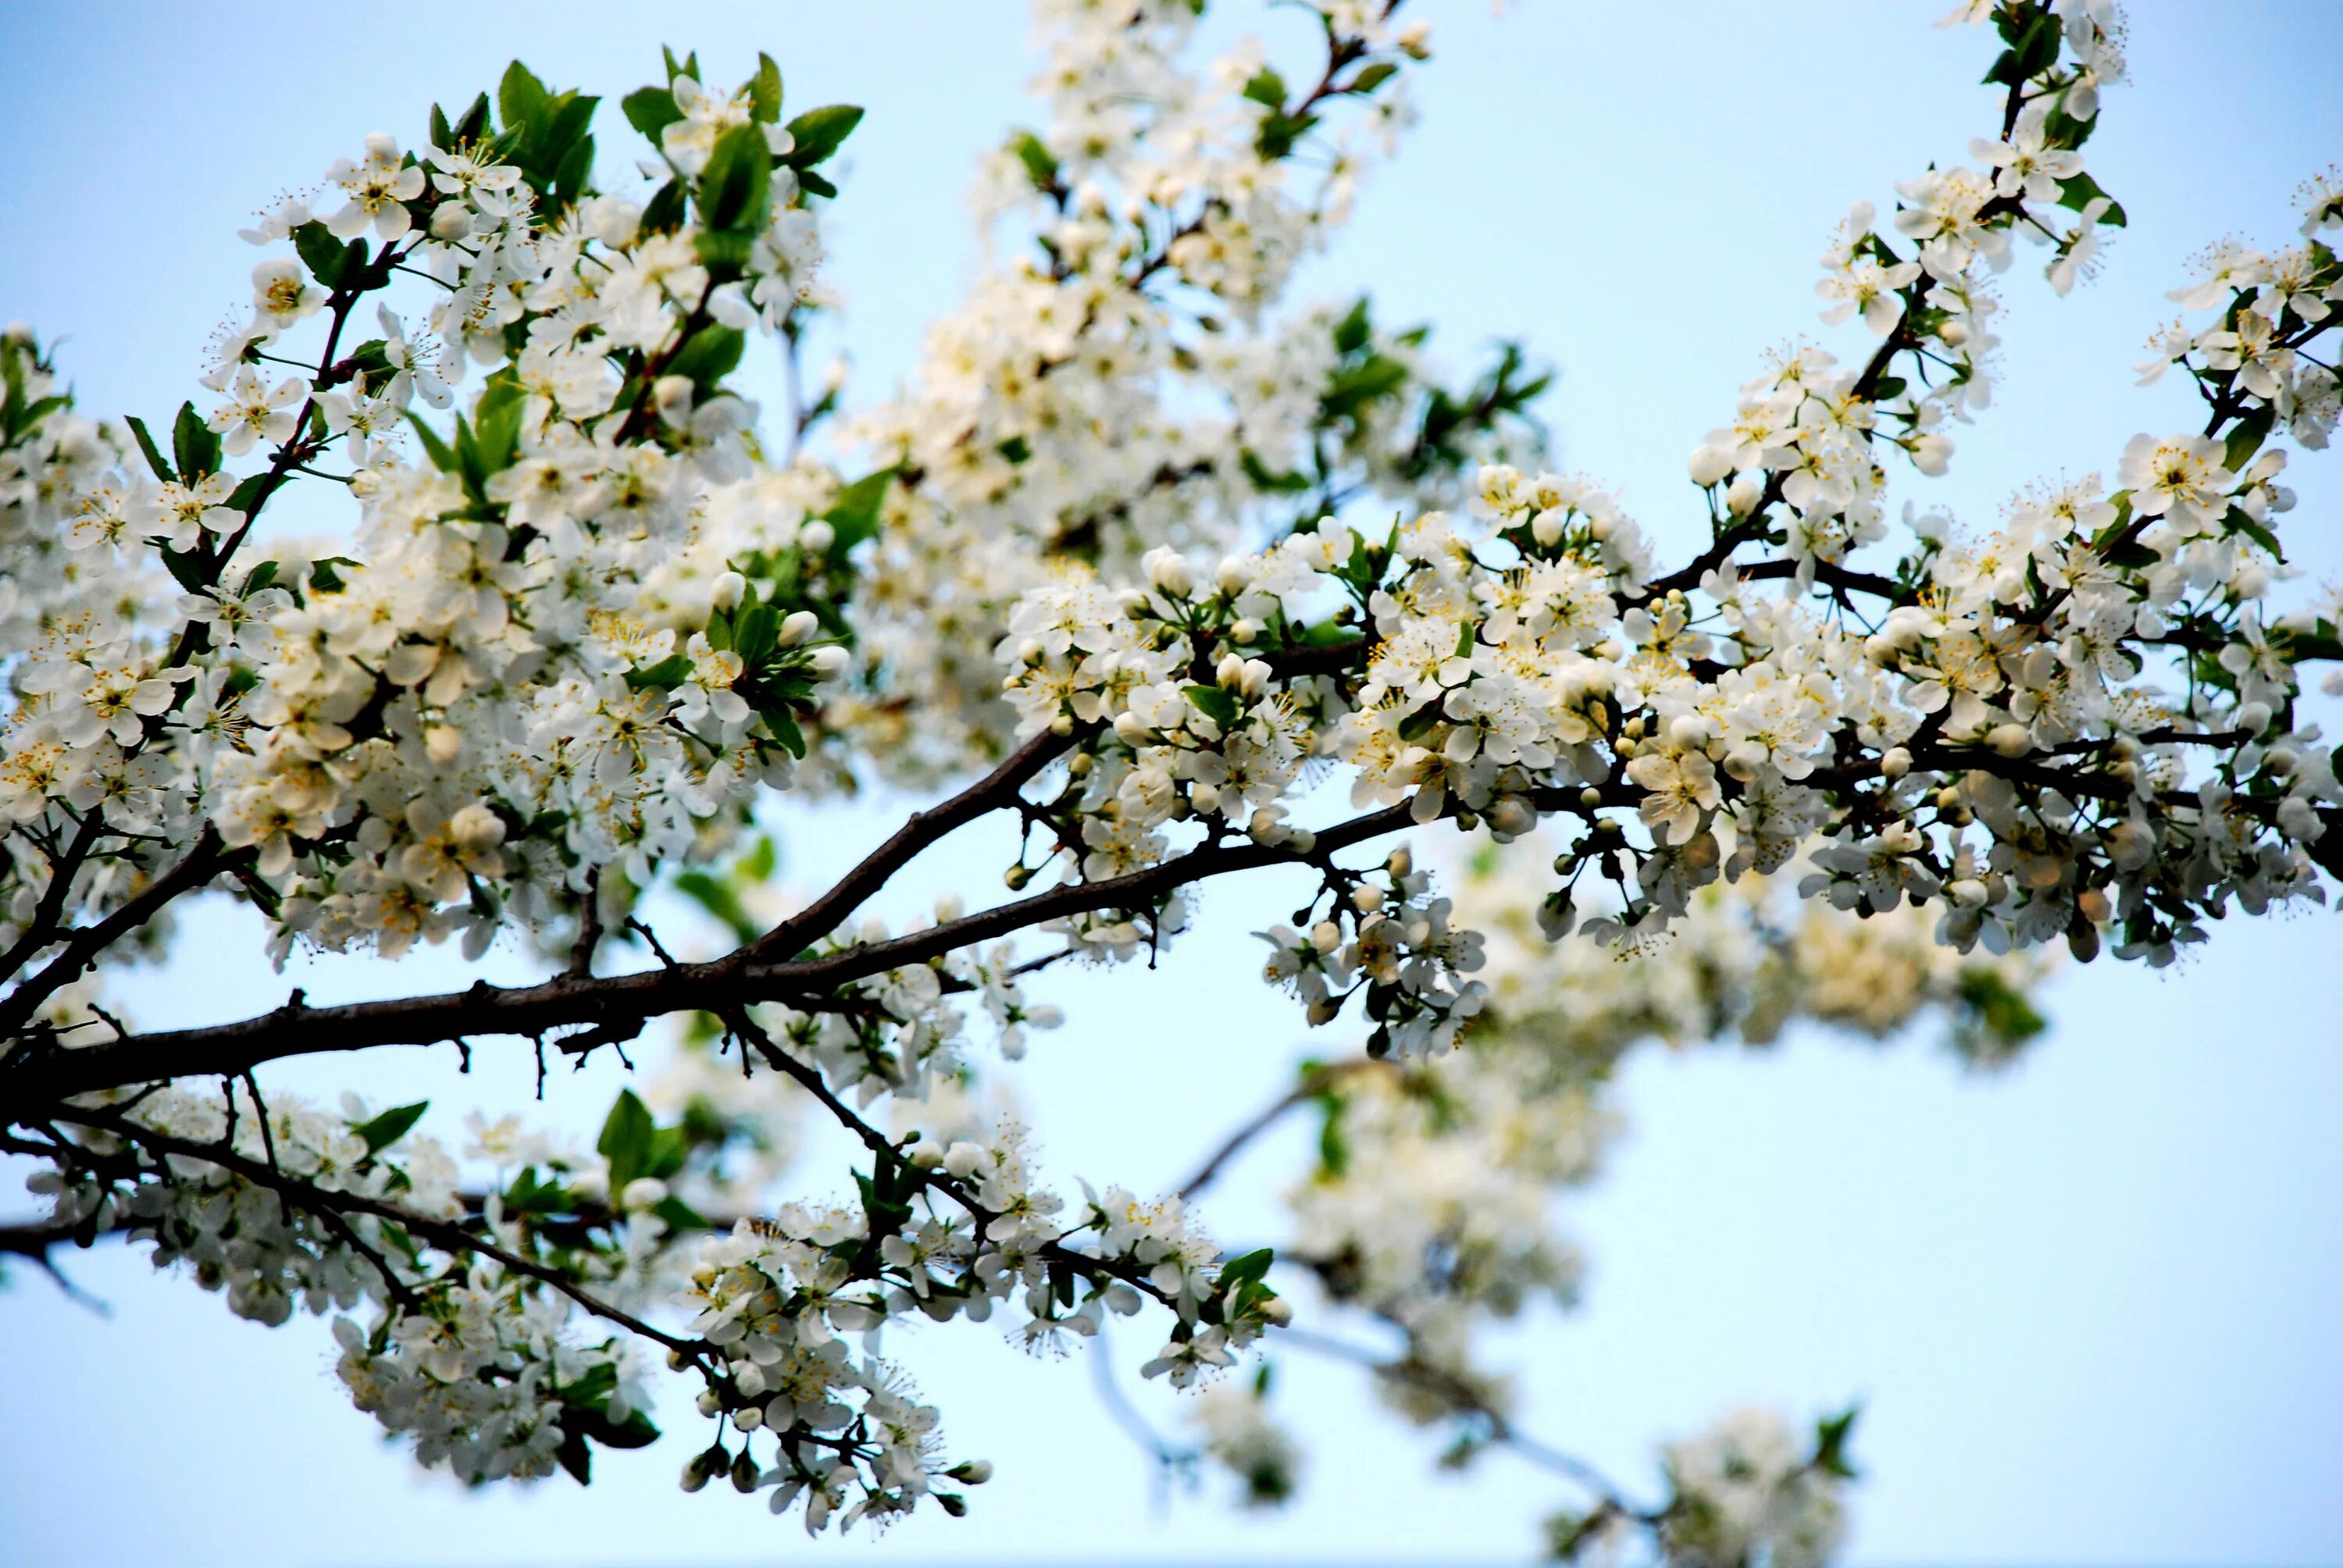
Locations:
(919, 832)
(231, 1049)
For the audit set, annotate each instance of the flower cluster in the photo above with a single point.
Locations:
(945, 1231)
(1121, 383)
(283, 1208)
(1177, 563)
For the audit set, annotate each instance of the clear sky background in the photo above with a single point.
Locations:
(2091, 1304)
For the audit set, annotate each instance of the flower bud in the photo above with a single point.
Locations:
(1168, 572)
(1741, 496)
(1510, 817)
(1708, 465)
(1895, 762)
(971, 1472)
(797, 626)
(726, 593)
(671, 395)
(829, 661)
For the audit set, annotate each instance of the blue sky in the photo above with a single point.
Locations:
(2090, 1304)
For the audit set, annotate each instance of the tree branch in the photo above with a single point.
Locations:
(333, 1206)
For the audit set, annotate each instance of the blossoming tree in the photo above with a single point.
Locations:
(1182, 580)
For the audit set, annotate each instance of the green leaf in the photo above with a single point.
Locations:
(147, 445)
(818, 133)
(765, 92)
(194, 445)
(666, 674)
(756, 633)
(737, 182)
(664, 211)
(1267, 88)
(371, 364)
(437, 449)
(1353, 386)
(854, 516)
(325, 574)
(186, 568)
(2082, 190)
(1270, 483)
(1246, 1269)
(813, 183)
(759, 862)
(2239, 520)
(2000, 1009)
(1040, 167)
(576, 169)
(650, 110)
(2038, 51)
(2247, 438)
(496, 423)
(1279, 132)
(1374, 77)
(1351, 333)
(575, 1456)
(563, 124)
(246, 497)
(1830, 1443)
(784, 726)
(474, 126)
(721, 901)
(519, 95)
(391, 1126)
(1214, 703)
(708, 355)
(626, 1140)
(321, 253)
(1334, 1149)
